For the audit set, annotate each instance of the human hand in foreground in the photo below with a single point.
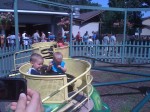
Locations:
(30, 103)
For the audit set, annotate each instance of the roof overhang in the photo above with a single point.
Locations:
(35, 12)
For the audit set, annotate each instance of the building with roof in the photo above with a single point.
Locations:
(33, 16)
(89, 21)
(146, 26)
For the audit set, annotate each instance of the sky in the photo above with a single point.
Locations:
(104, 3)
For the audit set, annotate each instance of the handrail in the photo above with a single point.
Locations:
(70, 82)
(81, 102)
(81, 88)
(89, 83)
(119, 64)
(49, 96)
(21, 57)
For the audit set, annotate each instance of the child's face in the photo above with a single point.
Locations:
(38, 64)
(58, 60)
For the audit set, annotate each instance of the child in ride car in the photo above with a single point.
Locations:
(36, 61)
(57, 65)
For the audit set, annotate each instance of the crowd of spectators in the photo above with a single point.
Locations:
(25, 39)
(139, 38)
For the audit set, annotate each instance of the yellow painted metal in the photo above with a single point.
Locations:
(39, 47)
(53, 88)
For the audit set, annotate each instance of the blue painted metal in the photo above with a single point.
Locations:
(120, 82)
(139, 51)
(50, 3)
(7, 60)
(121, 71)
(141, 103)
(124, 35)
(71, 23)
(129, 52)
(16, 23)
(111, 8)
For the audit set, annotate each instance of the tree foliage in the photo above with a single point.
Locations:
(134, 19)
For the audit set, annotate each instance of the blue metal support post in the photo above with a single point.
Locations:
(71, 22)
(121, 82)
(124, 36)
(16, 23)
(141, 103)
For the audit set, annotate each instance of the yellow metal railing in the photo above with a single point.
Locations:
(71, 97)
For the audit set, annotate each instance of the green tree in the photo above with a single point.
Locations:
(133, 19)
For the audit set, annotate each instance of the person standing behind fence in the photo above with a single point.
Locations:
(94, 36)
(43, 37)
(78, 37)
(51, 36)
(112, 42)
(90, 41)
(23, 35)
(13, 41)
(105, 43)
(9, 40)
(90, 45)
(22, 39)
(26, 41)
(85, 37)
(2, 37)
(36, 36)
(112, 39)
(30, 40)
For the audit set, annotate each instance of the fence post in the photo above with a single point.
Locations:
(16, 23)
(141, 103)
(71, 22)
(124, 37)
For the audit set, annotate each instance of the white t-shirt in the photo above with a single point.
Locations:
(23, 35)
(36, 36)
(26, 40)
(12, 37)
(112, 39)
(97, 42)
(90, 41)
(106, 40)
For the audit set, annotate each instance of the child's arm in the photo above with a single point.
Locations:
(50, 66)
(64, 69)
